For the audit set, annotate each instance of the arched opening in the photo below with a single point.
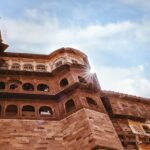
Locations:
(28, 87)
(64, 82)
(2, 85)
(91, 102)
(28, 111)
(28, 108)
(15, 66)
(146, 129)
(14, 84)
(59, 62)
(82, 80)
(45, 111)
(28, 67)
(11, 110)
(41, 68)
(69, 105)
(43, 87)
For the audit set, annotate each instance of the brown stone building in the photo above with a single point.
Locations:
(53, 102)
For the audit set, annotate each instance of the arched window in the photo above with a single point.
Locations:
(146, 129)
(69, 105)
(28, 87)
(15, 66)
(59, 62)
(91, 102)
(14, 84)
(28, 108)
(28, 67)
(63, 82)
(43, 87)
(82, 80)
(2, 85)
(41, 68)
(28, 111)
(45, 111)
(11, 110)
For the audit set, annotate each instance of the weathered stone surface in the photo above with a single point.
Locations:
(81, 130)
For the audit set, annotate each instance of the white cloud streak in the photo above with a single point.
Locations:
(125, 80)
(119, 36)
(114, 37)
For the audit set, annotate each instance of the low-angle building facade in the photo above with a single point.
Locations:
(53, 102)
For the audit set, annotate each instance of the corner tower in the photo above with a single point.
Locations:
(52, 102)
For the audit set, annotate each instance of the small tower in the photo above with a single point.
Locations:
(2, 45)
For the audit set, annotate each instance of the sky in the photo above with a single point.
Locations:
(114, 34)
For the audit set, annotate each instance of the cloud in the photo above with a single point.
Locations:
(118, 38)
(112, 37)
(125, 80)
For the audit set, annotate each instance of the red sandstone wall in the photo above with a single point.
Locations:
(80, 131)
(131, 107)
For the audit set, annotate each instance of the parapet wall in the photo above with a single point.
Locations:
(128, 107)
(82, 130)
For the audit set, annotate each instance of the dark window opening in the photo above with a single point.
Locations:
(13, 86)
(15, 66)
(70, 105)
(28, 67)
(2, 85)
(45, 111)
(63, 82)
(43, 87)
(41, 68)
(146, 129)
(28, 111)
(28, 108)
(82, 80)
(91, 102)
(11, 110)
(59, 63)
(28, 87)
